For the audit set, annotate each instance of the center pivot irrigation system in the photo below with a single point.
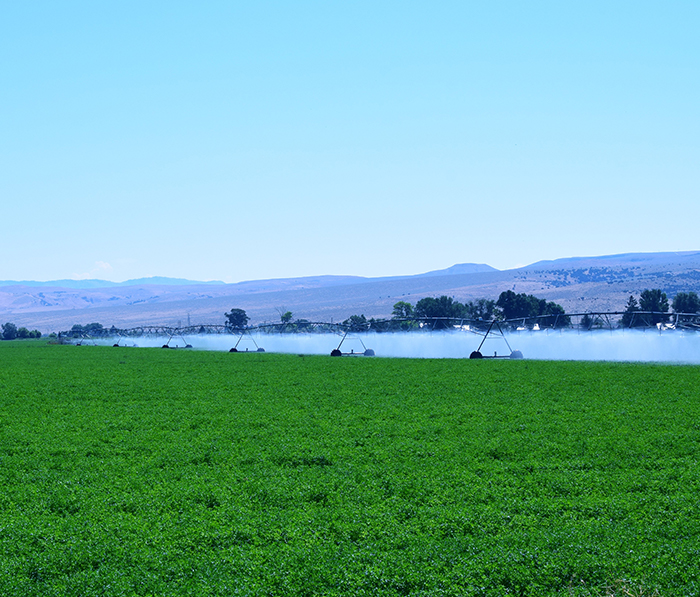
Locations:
(495, 329)
(514, 354)
(336, 352)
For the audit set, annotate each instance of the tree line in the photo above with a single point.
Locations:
(441, 312)
(11, 332)
(655, 303)
(444, 312)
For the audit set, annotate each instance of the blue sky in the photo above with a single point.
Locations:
(237, 141)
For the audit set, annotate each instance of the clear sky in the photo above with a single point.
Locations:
(245, 140)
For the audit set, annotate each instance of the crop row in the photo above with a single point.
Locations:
(149, 472)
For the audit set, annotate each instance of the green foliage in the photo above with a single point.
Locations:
(24, 333)
(654, 300)
(516, 306)
(149, 472)
(649, 300)
(441, 309)
(589, 322)
(444, 310)
(357, 323)
(686, 302)
(445, 307)
(630, 317)
(90, 329)
(236, 319)
(401, 319)
(402, 309)
(481, 309)
(9, 331)
(557, 315)
(286, 317)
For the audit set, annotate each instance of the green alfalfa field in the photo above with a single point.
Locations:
(134, 471)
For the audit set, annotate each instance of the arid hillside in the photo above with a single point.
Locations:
(578, 284)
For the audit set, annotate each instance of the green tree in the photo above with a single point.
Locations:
(516, 306)
(481, 309)
(589, 322)
(686, 302)
(557, 315)
(300, 325)
(89, 329)
(527, 306)
(357, 323)
(402, 310)
(629, 317)
(442, 310)
(9, 331)
(236, 319)
(656, 301)
(94, 329)
(384, 325)
(23, 333)
(286, 317)
(76, 331)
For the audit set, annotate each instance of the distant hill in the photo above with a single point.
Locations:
(309, 281)
(461, 268)
(646, 260)
(579, 284)
(86, 284)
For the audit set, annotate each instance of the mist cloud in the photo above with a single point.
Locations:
(616, 345)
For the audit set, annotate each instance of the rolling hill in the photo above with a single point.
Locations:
(577, 283)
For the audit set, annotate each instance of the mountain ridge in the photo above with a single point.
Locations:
(333, 279)
(97, 283)
(459, 268)
(578, 284)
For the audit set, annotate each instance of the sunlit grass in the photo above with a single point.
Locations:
(147, 472)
